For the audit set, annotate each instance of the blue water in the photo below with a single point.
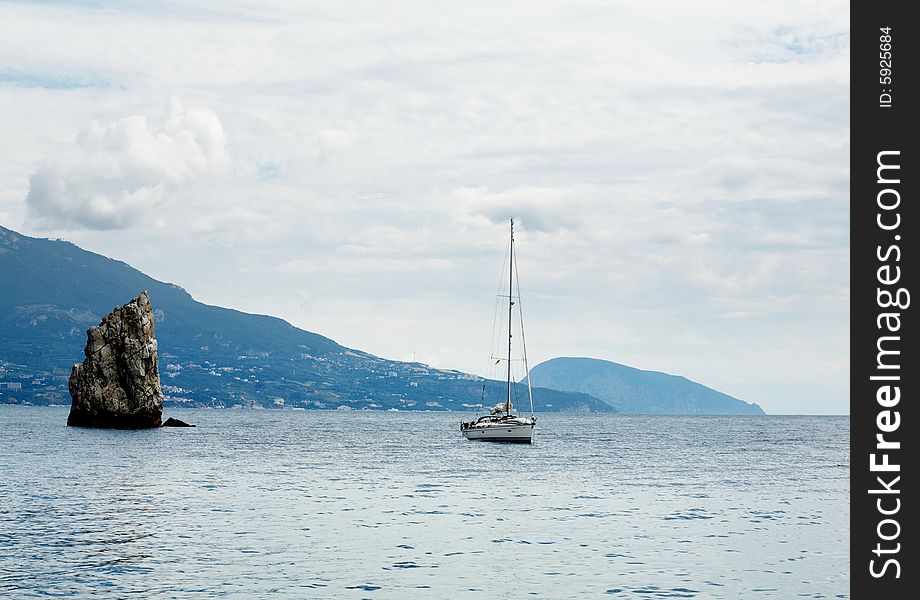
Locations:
(394, 505)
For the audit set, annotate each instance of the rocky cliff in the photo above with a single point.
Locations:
(118, 384)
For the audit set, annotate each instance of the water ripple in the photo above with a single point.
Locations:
(263, 503)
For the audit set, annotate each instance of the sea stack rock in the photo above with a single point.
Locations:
(118, 384)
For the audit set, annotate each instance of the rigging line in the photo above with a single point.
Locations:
(510, 308)
(493, 343)
(517, 272)
(495, 316)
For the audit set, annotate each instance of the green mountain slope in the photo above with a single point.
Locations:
(636, 391)
(51, 291)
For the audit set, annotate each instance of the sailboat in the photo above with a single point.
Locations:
(501, 424)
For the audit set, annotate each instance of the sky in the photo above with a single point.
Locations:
(679, 172)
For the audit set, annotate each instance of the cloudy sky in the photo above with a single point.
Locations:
(680, 171)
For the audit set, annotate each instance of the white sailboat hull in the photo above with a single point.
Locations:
(522, 434)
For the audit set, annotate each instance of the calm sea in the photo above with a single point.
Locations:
(258, 504)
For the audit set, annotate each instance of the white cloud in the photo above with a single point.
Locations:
(333, 141)
(115, 174)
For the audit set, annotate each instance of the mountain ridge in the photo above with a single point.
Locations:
(633, 390)
(210, 356)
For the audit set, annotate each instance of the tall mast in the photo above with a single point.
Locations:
(517, 278)
(510, 304)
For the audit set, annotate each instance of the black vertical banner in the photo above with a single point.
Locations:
(885, 376)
